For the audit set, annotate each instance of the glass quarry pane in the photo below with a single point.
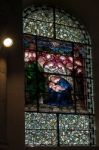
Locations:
(28, 138)
(43, 14)
(40, 121)
(70, 138)
(66, 19)
(44, 29)
(26, 26)
(38, 28)
(73, 122)
(40, 129)
(29, 27)
(41, 138)
(69, 34)
(74, 129)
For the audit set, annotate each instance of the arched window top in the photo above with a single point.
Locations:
(54, 23)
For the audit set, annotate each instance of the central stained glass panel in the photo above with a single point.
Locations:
(55, 75)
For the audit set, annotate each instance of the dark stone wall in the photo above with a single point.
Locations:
(3, 75)
(12, 113)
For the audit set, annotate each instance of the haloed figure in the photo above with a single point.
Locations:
(59, 90)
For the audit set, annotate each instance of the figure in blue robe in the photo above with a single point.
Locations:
(61, 97)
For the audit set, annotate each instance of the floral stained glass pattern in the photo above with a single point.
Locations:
(38, 28)
(41, 129)
(69, 34)
(45, 15)
(48, 22)
(77, 126)
(66, 19)
(59, 99)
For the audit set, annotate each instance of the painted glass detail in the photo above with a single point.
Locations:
(59, 103)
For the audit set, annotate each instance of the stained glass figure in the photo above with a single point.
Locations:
(43, 60)
(59, 99)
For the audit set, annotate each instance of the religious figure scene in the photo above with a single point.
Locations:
(59, 97)
(54, 75)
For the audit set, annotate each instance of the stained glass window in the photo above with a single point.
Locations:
(59, 99)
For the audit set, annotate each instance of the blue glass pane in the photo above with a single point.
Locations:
(54, 46)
